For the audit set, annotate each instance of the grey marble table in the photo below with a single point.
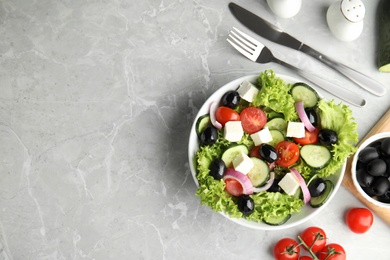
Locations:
(96, 102)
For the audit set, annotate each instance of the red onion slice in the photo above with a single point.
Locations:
(303, 116)
(214, 122)
(302, 183)
(267, 185)
(272, 165)
(241, 178)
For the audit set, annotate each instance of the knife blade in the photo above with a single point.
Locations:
(275, 34)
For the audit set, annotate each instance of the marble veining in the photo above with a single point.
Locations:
(96, 103)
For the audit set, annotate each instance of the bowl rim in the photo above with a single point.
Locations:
(296, 219)
(363, 145)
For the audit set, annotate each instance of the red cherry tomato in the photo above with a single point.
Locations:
(288, 153)
(314, 238)
(234, 187)
(255, 152)
(359, 220)
(332, 252)
(253, 119)
(305, 257)
(286, 249)
(225, 114)
(310, 137)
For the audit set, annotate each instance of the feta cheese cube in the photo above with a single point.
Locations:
(233, 131)
(289, 183)
(262, 136)
(295, 129)
(247, 91)
(242, 163)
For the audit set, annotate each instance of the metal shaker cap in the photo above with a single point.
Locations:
(353, 10)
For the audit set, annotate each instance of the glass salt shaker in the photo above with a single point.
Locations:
(345, 19)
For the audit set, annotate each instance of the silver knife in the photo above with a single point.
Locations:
(275, 34)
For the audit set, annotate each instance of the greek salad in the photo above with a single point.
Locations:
(269, 147)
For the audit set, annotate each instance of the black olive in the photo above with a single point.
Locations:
(209, 135)
(380, 186)
(385, 146)
(376, 144)
(385, 197)
(359, 165)
(230, 99)
(364, 179)
(368, 154)
(217, 169)
(245, 204)
(327, 137)
(317, 187)
(369, 191)
(312, 115)
(268, 153)
(387, 173)
(376, 167)
(275, 187)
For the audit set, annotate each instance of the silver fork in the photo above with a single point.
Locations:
(258, 52)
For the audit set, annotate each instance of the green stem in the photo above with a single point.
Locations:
(308, 248)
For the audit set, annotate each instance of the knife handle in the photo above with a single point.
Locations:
(342, 93)
(358, 78)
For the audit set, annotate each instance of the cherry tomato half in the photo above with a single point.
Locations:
(288, 153)
(234, 187)
(253, 119)
(314, 238)
(310, 137)
(359, 220)
(332, 252)
(286, 249)
(225, 114)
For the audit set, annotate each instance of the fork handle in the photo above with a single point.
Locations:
(342, 93)
(358, 78)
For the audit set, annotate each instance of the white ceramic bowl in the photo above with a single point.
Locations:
(366, 143)
(307, 211)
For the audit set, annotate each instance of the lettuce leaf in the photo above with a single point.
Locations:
(338, 117)
(275, 94)
(274, 204)
(212, 192)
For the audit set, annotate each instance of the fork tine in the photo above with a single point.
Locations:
(245, 44)
(242, 42)
(253, 42)
(241, 50)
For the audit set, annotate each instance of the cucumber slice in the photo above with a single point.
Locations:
(384, 36)
(202, 123)
(277, 124)
(316, 156)
(230, 153)
(317, 202)
(299, 193)
(277, 137)
(259, 174)
(277, 221)
(302, 92)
